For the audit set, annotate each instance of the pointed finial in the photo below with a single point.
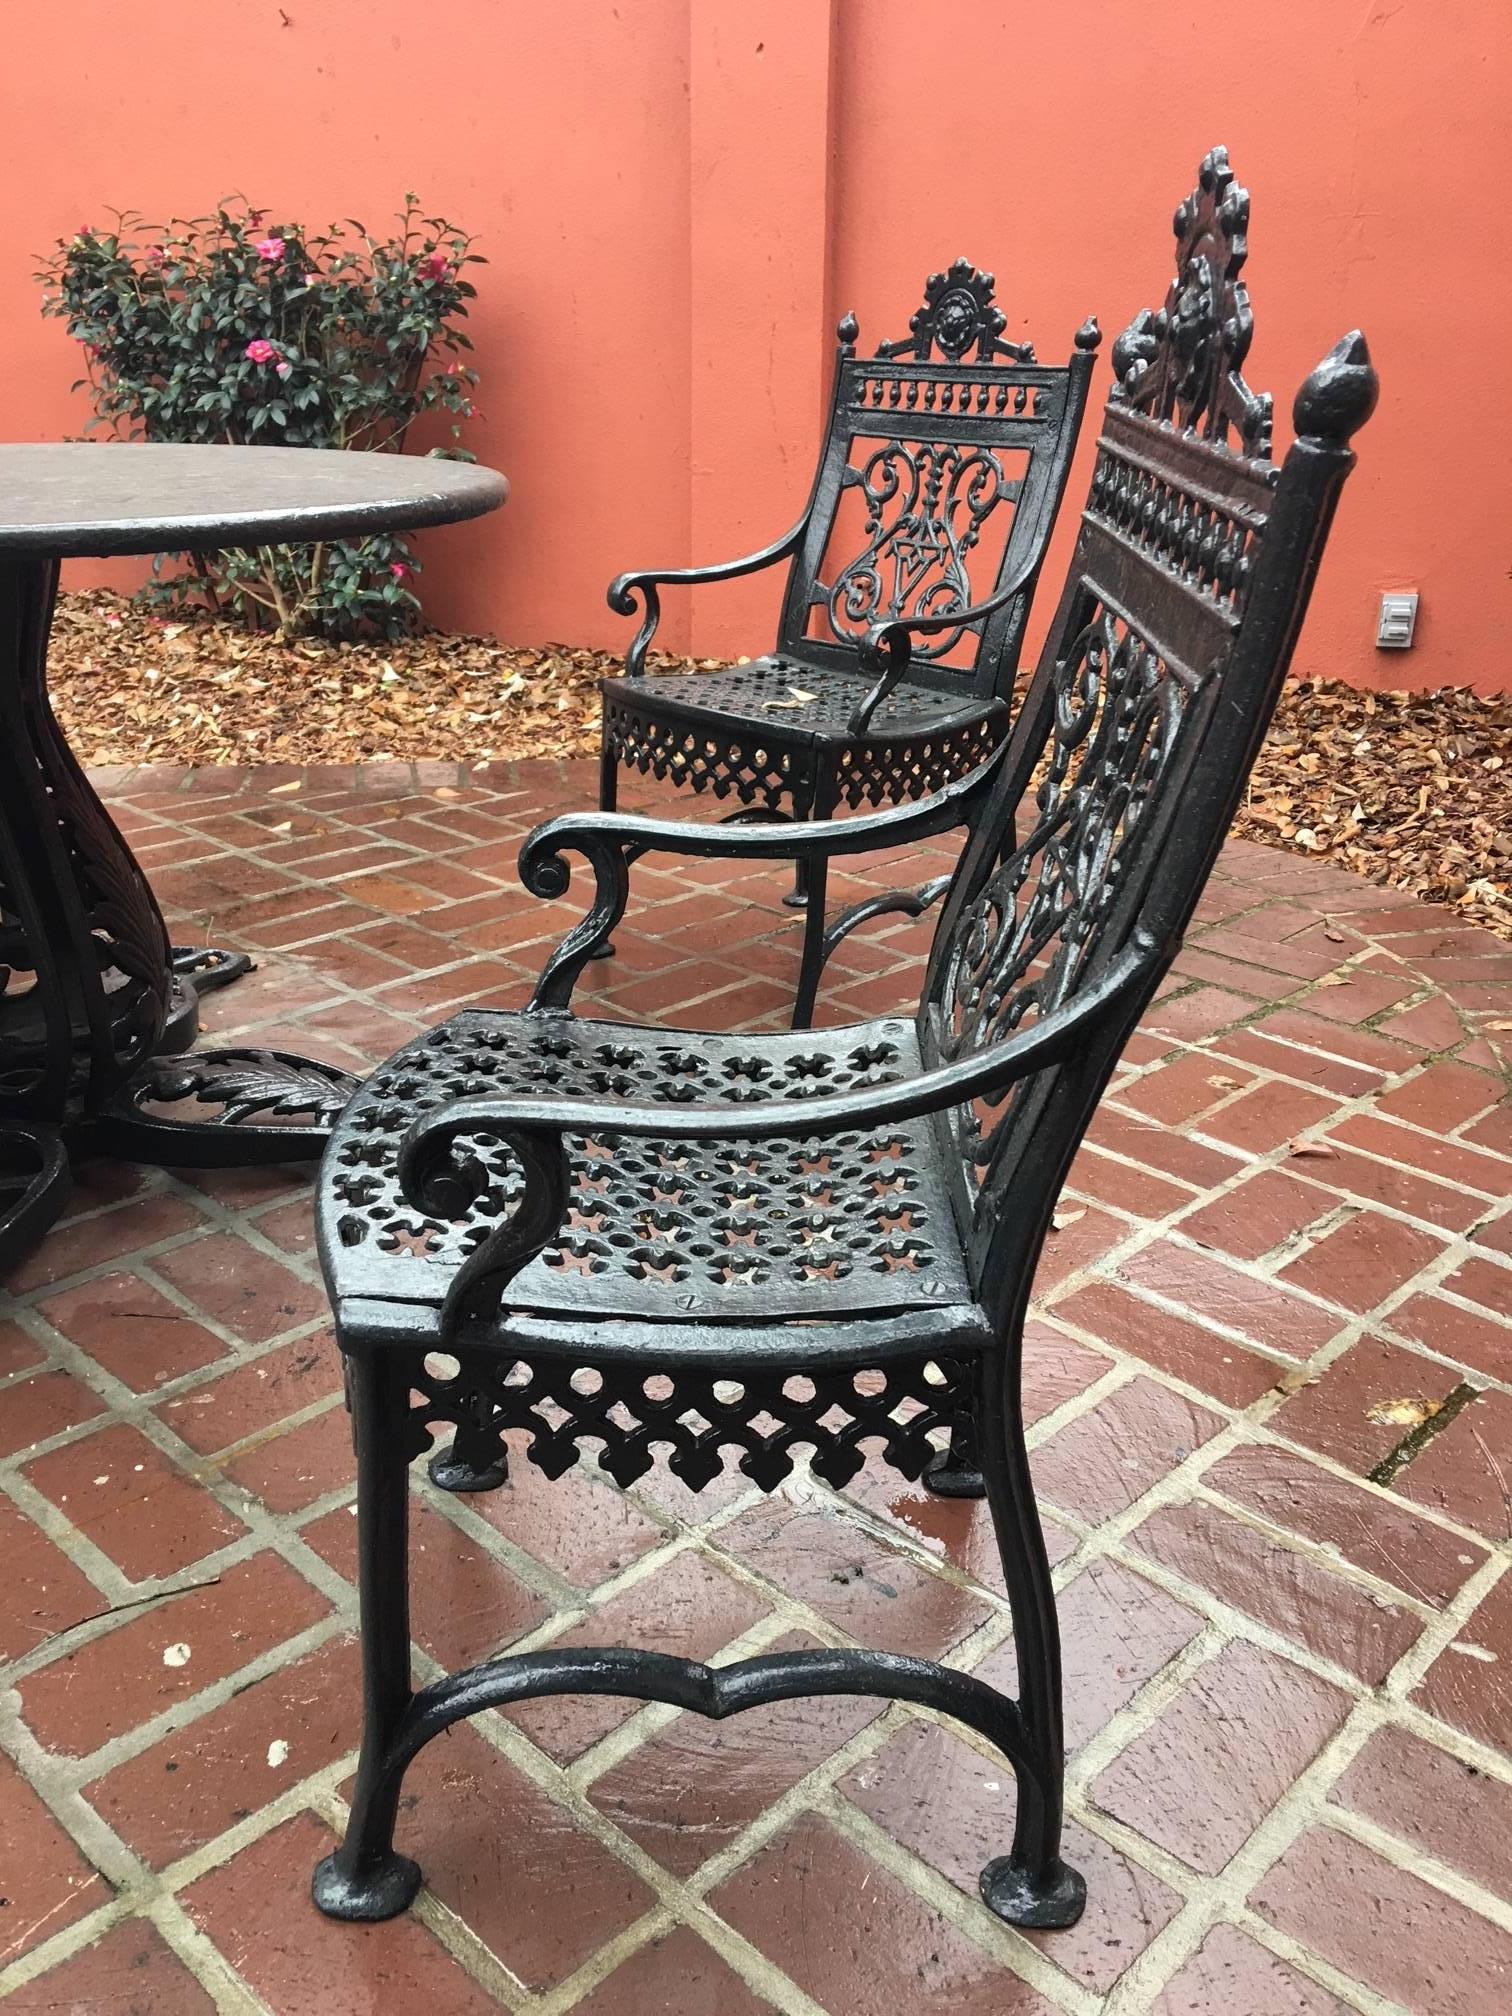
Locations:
(1336, 399)
(847, 332)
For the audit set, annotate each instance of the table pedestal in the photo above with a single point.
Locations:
(95, 1004)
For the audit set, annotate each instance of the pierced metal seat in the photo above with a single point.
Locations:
(688, 1260)
(944, 464)
(917, 740)
(611, 1237)
(660, 1232)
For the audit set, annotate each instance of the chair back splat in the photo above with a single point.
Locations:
(1190, 578)
(952, 447)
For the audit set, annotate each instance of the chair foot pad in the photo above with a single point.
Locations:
(388, 1890)
(1039, 1903)
(951, 1480)
(451, 1473)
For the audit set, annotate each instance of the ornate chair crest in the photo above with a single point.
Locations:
(1182, 362)
(1190, 576)
(959, 313)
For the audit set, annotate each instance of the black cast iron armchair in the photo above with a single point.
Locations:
(690, 1245)
(892, 672)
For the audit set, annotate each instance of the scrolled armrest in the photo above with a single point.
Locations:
(611, 843)
(435, 1182)
(534, 1129)
(624, 588)
(887, 648)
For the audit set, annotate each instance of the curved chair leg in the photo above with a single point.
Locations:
(365, 1879)
(1030, 1886)
(956, 1471)
(797, 897)
(815, 871)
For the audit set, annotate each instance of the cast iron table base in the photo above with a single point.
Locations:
(97, 1009)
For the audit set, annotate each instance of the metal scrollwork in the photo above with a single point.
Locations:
(958, 315)
(926, 504)
(928, 438)
(117, 908)
(34, 1183)
(1182, 363)
(687, 1244)
(273, 1107)
(633, 1412)
(1019, 947)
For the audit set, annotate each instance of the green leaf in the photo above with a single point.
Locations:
(171, 336)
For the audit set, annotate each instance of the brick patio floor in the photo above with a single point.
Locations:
(1287, 1617)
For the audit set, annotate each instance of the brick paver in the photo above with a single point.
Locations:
(1270, 1383)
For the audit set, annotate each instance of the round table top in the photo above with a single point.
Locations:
(98, 499)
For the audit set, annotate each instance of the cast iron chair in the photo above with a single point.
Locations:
(956, 443)
(678, 1244)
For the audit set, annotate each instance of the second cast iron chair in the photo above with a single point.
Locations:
(910, 575)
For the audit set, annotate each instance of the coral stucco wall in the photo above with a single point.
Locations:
(679, 197)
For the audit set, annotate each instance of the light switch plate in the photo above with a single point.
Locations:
(1398, 620)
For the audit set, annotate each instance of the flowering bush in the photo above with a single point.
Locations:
(219, 329)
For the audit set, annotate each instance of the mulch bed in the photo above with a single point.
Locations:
(1413, 790)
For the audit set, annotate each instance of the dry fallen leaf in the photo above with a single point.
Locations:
(1322, 1151)
(1293, 1382)
(1409, 1413)
(1398, 787)
(1223, 1084)
(1067, 1217)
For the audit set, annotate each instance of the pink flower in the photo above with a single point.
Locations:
(260, 351)
(399, 571)
(435, 266)
(154, 255)
(285, 368)
(271, 249)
